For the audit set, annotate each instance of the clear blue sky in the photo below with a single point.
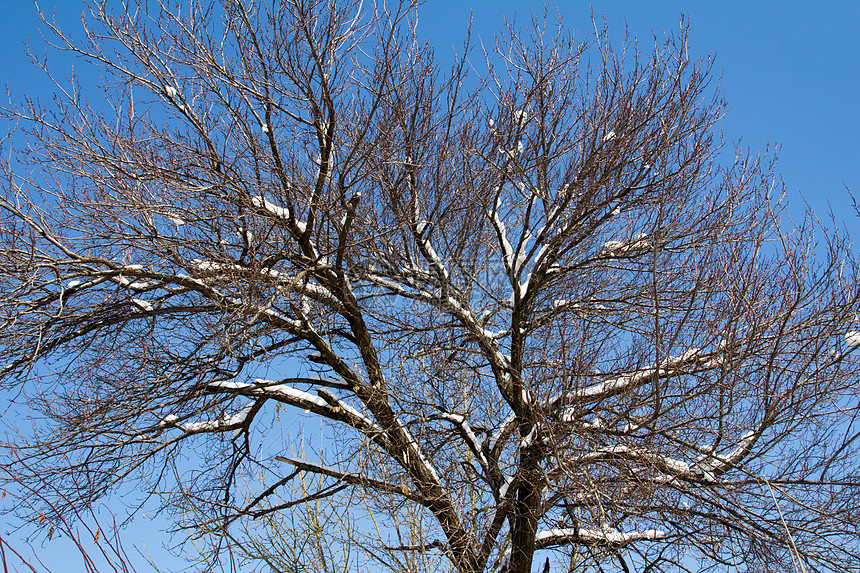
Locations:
(790, 73)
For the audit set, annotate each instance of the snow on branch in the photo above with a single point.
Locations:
(715, 465)
(415, 449)
(288, 282)
(326, 404)
(507, 248)
(275, 390)
(468, 434)
(637, 244)
(667, 465)
(607, 536)
(504, 430)
(277, 211)
(358, 420)
(290, 395)
(852, 339)
(143, 305)
(234, 422)
(430, 254)
(634, 379)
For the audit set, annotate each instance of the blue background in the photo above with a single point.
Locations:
(789, 70)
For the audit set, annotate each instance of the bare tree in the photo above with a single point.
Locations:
(534, 301)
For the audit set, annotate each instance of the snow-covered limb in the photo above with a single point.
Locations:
(238, 419)
(608, 536)
(141, 304)
(359, 420)
(468, 435)
(326, 404)
(503, 491)
(290, 395)
(708, 467)
(260, 202)
(204, 426)
(432, 257)
(637, 244)
(233, 422)
(504, 430)
(175, 219)
(715, 465)
(415, 450)
(529, 438)
(672, 467)
(139, 285)
(285, 281)
(245, 234)
(275, 390)
(572, 415)
(501, 233)
(633, 379)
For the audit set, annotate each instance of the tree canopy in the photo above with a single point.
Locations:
(536, 301)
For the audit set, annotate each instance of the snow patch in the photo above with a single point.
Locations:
(606, 535)
(206, 426)
(239, 418)
(527, 441)
(504, 489)
(175, 219)
(637, 243)
(144, 305)
(246, 234)
(496, 435)
(261, 203)
(292, 393)
(226, 385)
